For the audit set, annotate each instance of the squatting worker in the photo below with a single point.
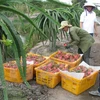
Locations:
(88, 19)
(80, 38)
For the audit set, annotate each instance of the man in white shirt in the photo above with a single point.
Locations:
(88, 19)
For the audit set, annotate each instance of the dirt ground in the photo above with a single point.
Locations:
(39, 92)
(60, 94)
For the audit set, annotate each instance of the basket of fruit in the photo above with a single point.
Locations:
(35, 59)
(75, 85)
(48, 73)
(69, 58)
(12, 73)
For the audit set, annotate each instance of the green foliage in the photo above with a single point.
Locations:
(81, 3)
(49, 20)
(17, 47)
(44, 27)
(2, 77)
(12, 34)
(71, 14)
(97, 12)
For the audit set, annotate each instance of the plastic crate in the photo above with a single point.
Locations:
(13, 74)
(36, 65)
(72, 64)
(76, 86)
(47, 78)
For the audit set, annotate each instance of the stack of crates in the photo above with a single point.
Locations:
(51, 79)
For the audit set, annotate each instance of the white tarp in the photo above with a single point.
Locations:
(81, 75)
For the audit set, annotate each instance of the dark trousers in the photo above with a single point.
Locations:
(91, 34)
(86, 55)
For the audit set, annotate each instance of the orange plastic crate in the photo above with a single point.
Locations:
(47, 78)
(72, 64)
(13, 75)
(36, 65)
(76, 86)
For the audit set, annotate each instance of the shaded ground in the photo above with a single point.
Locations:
(39, 92)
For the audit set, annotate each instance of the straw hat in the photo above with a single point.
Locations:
(64, 23)
(89, 4)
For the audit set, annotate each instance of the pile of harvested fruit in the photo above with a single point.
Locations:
(11, 64)
(66, 56)
(35, 58)
(83, 69)
(54, 67)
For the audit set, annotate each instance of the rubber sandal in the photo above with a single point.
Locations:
(95, 93)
